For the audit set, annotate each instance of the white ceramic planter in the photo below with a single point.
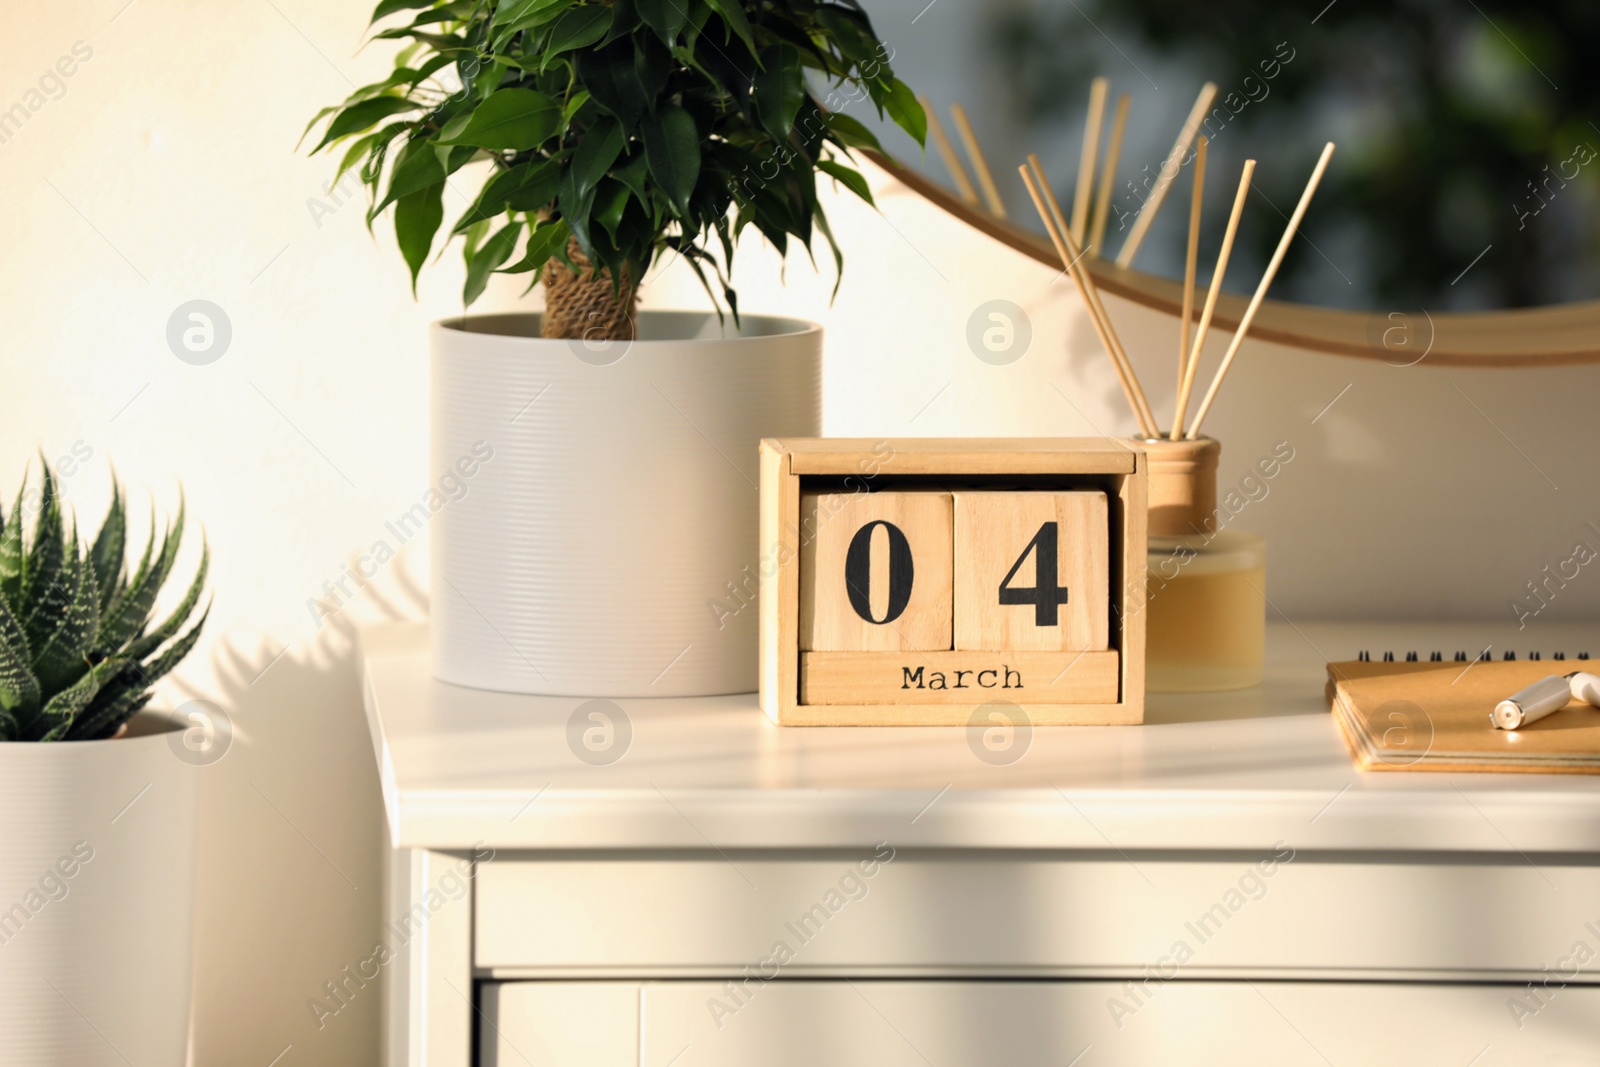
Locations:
(96, 900)
(594, 531)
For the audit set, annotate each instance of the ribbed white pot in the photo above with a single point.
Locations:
(96, 900)
(595, 506)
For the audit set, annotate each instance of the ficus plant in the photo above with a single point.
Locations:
(609, 134)
(80, 643)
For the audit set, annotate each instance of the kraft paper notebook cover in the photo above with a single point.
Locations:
(1435, 717)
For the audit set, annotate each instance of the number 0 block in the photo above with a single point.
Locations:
(875, 571)
(1032, 571)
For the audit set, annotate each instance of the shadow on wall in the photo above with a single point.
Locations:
(291, 850)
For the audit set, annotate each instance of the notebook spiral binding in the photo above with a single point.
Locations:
(1462, 657)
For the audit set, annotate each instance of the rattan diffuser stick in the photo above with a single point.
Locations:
(947, 152)
(1261, 290)
(1190, 261)
(1167, 174)
(1091, 148)
(1102, 200)
(979, 163)
(1092, 292)
(1071, 258)
(1217, 274)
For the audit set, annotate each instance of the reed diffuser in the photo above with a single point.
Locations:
(1206, 583)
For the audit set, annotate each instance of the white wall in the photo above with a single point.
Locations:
(166, 172)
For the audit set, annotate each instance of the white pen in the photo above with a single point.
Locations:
(1545, 697)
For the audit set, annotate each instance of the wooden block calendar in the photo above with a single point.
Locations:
(918, 581)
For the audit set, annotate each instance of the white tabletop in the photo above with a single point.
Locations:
(1238, 771)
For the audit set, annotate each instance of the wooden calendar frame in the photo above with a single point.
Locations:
(863, 464)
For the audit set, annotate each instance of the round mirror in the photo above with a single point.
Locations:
(1458, 221)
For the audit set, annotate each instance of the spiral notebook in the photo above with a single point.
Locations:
(1433, 715)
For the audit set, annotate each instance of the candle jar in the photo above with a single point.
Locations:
(1205, 596)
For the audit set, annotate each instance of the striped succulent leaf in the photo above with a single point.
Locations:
(79, 648)
(60, 659)
(129, 690)
(109, 545)
(130, 610)
(46, 596)
(11, 556)
(19, 689)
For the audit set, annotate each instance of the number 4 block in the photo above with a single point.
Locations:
(1032, 571)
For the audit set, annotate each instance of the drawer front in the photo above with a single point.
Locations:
(1028, 1024)
(959, 914)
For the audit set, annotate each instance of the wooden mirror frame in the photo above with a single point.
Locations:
(1563, 335)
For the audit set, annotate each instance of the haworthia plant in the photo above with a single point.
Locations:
(630, 127)
(79, 644)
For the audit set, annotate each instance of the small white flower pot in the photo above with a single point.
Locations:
(97, 899)
(594, 507)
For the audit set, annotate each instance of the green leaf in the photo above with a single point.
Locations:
(902, 105)
(579, 98)
(417, 168)
(543, 243)
(613, 81)
(129, 612)
(510, 120)
(55, 718)
(528, 187)
(391, 7)
(578, 28)
(654, 64)
(318, 117)
(11, 558)
(495, 251)
(624, 21)
(509, 12)
(699, 15)
(359, 150)
(416, 219)
(851, 178)
(537, 189)
(475, 235)
(109, 545)
(157, 636)
(610, 202)
(851, 34)
(596, 153)
(672, 147)
(460, 156)
(115, 703)
(732, 12)
(779, 90)
(632, 174)
(47, 588)
(124, 693)
(19, 689)
(62, 657)
(363, 116)
(400, 76)
(666, 17)
(852, 134)
(449, 13)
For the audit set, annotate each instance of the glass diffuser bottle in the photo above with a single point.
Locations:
(1206, 592)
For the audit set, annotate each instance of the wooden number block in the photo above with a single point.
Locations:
(875, 571)
(1032, 571)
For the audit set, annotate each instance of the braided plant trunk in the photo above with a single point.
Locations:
(585, 304)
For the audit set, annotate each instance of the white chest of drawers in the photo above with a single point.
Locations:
(682, 883)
